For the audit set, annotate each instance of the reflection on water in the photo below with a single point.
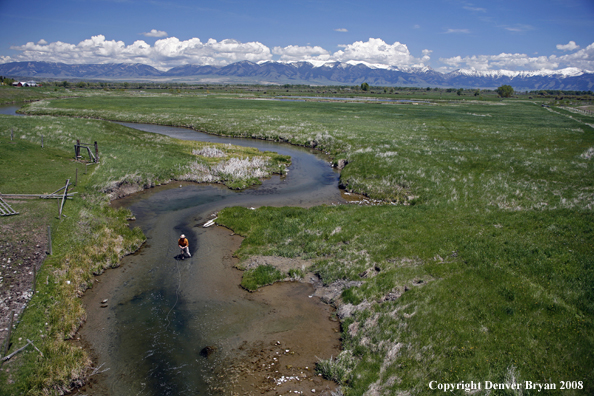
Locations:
(163, 312)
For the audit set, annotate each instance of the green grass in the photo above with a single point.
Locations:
(27, 94)
(512, 155)
(488, 228)
(28, 173)
(260, 276)
(132, 157)
(92, 236)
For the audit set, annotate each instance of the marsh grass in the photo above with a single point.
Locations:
(260, 276)
(483, 265)
(502, 155)
(136, 159)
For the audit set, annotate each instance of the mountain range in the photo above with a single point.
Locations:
(329, 73)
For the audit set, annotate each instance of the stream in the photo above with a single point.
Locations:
(186, 327)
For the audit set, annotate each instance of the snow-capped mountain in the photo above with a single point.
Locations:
(306, 72)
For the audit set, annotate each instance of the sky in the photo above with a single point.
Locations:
(516, 35)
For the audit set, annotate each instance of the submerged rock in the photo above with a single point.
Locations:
(207, 351)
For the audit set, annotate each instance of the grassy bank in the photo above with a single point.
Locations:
(486, 293)
(480, 269)
(91, 236)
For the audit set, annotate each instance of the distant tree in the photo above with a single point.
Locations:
(505, 91)
(477, 92)
(459, 92)
(365, 86)
(65, 84)
(81, 84)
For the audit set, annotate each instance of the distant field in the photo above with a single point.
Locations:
(488, 225)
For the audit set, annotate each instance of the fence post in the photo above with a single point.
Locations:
(96, 153)
(34, 278)
(49, 240)
(7, 344)
(77, 149)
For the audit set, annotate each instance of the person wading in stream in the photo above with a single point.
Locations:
(183, 244)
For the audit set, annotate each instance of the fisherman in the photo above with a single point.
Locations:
(184, 246)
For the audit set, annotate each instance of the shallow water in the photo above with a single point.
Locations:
(10, 109)
(162, 312)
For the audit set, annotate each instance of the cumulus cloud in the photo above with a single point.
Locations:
(297, 53)
(568, 47)
(377, 51)
(501, 61)
(426, 55)
(165, 53)
(155, 33)
(342, 30)
(170, 52)
(582, 59)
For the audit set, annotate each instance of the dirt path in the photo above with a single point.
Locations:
(22, 247)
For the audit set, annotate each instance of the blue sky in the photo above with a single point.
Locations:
(442, 34)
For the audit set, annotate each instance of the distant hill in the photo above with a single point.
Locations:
(331, 73)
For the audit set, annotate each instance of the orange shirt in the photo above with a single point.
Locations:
(183, 242)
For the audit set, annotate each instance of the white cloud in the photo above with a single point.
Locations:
(165, 53)
(297, 53)
(450, 31)
(582, 59)
(342, 30)
(416, 26)
(155, 33)
(501, 61)
(170, 52)
(568, 47)
(377, 51)
(426, 56)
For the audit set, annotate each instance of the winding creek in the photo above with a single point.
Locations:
(175, 327)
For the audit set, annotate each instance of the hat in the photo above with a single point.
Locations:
(182, 236)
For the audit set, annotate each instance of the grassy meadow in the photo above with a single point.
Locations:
(478, 267)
